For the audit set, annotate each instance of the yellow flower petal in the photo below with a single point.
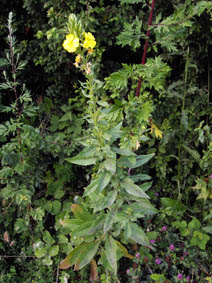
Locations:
(90, 41)
(71, 43)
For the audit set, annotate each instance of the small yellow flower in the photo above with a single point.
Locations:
(90, 41)
(77, 60)
(71, 43)
(154, 129)
(90, 51)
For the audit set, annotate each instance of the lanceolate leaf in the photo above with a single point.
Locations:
(143, 206)
(80, 256)
(82, 161)
(142, 159)
(111, 247)
(80, 212)
(133, 189)
(110, 165)
(72, 257)
(87, 256)
(125, 152)
(138, 235)
(104, 180)
(123, 250)
(85, 157)
(109, 199)
(125, 161)
(109, 220)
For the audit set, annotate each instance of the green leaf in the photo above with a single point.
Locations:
(53, 251)
(110, 165)
(138, 235)
(109, 220)
(127, 231)
(195, 154)
(142, 159)
(111, 247)
(207, 229)
(40, 252)
(145, 186)
(194, 224)
(133, 189)
(143, 206)
(176, 205)
(80, 256)
(140, 177)
(88, 255)
(121, 151)
(80, 212)
(85, 157)
(73, 256)
(123, 250)
(83, 229)
(91, 188)
(109, 200)
(158, 277)
(3, 62)
(71, 223)
(82, 161)
(103, 180)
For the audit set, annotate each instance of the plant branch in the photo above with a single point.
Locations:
(146, 45)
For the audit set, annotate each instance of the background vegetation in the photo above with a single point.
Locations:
(91, 175)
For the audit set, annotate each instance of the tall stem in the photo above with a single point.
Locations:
(146, 45)
(181, 136)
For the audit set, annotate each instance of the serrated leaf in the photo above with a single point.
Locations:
(111, 247)
(195, 154)
(132, 189)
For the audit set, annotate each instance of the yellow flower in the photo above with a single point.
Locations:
(77, 60)
(90, 41)
(90, 51)
(154, 129)
(71, 43)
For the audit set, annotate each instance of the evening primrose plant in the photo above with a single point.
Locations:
(104, 220)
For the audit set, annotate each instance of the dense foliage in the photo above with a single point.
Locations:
(99, 184)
